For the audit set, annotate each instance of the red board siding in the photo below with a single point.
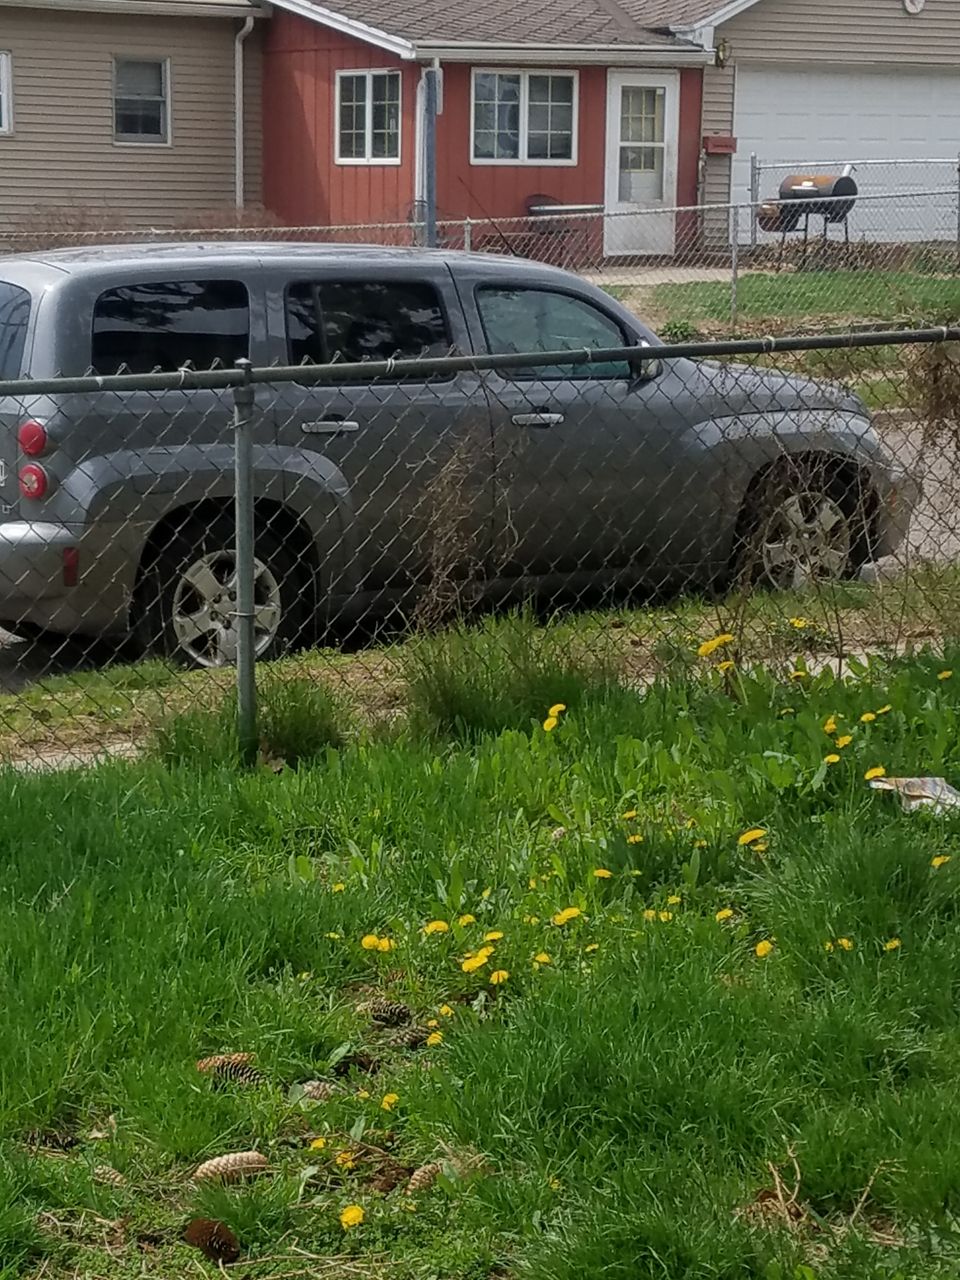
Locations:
(303, 185)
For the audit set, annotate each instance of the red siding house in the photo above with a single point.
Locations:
(565, 103)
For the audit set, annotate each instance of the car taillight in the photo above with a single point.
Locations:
(32, 438)
(34, 481)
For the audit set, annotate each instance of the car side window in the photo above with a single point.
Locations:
(350, 321)
(163, 326)
(527, 320)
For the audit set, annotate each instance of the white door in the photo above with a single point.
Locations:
(641, 163)
(850, 114)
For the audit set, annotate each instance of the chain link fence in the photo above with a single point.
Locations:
(164, 532)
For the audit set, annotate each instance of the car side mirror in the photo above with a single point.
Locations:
(644, 364)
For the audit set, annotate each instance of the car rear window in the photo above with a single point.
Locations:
(347, 321)
(163, 326)
(14, 318)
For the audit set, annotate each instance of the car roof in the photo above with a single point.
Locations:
(85, 259)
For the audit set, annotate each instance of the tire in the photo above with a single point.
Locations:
(806, 521)
(187, 597)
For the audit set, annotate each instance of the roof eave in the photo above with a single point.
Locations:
(349, 27)
(148, 8)
(702, 31)
(552, 54)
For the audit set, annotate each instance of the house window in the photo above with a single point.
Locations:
(524, 117)
(6, 94)
(141, 100)
(368, 117)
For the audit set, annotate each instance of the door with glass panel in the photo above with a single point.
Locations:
(641, 163)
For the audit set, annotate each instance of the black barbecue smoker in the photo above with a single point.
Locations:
(803, 196)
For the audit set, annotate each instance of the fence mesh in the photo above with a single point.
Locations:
(797, 497)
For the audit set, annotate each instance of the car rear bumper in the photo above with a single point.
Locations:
(62, 578)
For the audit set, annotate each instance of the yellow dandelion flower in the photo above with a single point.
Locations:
(318, 1144)
(727, 665)
(799, 675)
(944, 675)
(557, 709)
(699, 844)
(594, 946)
(351, 1216)
(389, 1101)
(532, 882)
(363, 1094)
(844, 740)
(868, 717)
(370, 942)
(674, 900)
(725, 913)
(832, 758)
(940, 860)
(635, 839)
(435, 1038)
(601, 873)
(761, 846)
(436, 926)
(845, 944)
(334, 937)
(798, 623)
(385, 944)
(751, 836)
(499, 976)
(473, 963)
(338, 887)
(433, 1022)
(649, 914)
(664, 916)
(763, 948)
(566, 915)
(878, 771)
(531, 920)
(445, 1011)
(891, 944)
(550, 724)
(629, 815)
(711, 646)
(828, 945)
(486, 893)
(493, 936)
(830, 725)
(466, 919)
(542, 957)
(882, 711)
(344, 1159)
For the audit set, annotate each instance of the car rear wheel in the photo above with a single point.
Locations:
(191, 597)
(803, 525)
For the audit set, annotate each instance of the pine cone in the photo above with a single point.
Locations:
(213, 1238)
(319, 1090)
(389, 1013)
(235, 1067)
(103, 1173)
(410, 1038)
(424, 1177)
(390, 1175)
(231, 1168)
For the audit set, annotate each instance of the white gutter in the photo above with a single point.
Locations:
(147, 8)
(239, 133)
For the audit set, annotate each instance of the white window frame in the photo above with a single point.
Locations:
(367, 159)
(129, 140)
(6, 93)
(525, 73)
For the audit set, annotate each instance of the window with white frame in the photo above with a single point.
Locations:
(524, 117)
(6, 94)
(368, 117)
(141, 100)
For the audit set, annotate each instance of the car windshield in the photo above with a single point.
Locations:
(14, 317)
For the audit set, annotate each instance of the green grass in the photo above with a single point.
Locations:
(864, 295)
(615, 1111)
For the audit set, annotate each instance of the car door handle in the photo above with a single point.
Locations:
(537, 419)
(329, 427)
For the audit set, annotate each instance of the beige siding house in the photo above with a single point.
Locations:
(122, 113)
(832, 81)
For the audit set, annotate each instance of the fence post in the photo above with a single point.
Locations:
(958, 210)
(468, 234)
(243, 405)
(734, 264)
(754, 196)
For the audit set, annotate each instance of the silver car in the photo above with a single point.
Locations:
(117, 507)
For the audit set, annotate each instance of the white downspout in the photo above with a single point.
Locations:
(239, 139)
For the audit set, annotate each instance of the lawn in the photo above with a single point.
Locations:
(665, 989)
(880, 296)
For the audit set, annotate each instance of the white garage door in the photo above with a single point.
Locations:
(846, 114)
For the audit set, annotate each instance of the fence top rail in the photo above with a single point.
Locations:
(269, 235)
(857, 164)
(244, 374)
